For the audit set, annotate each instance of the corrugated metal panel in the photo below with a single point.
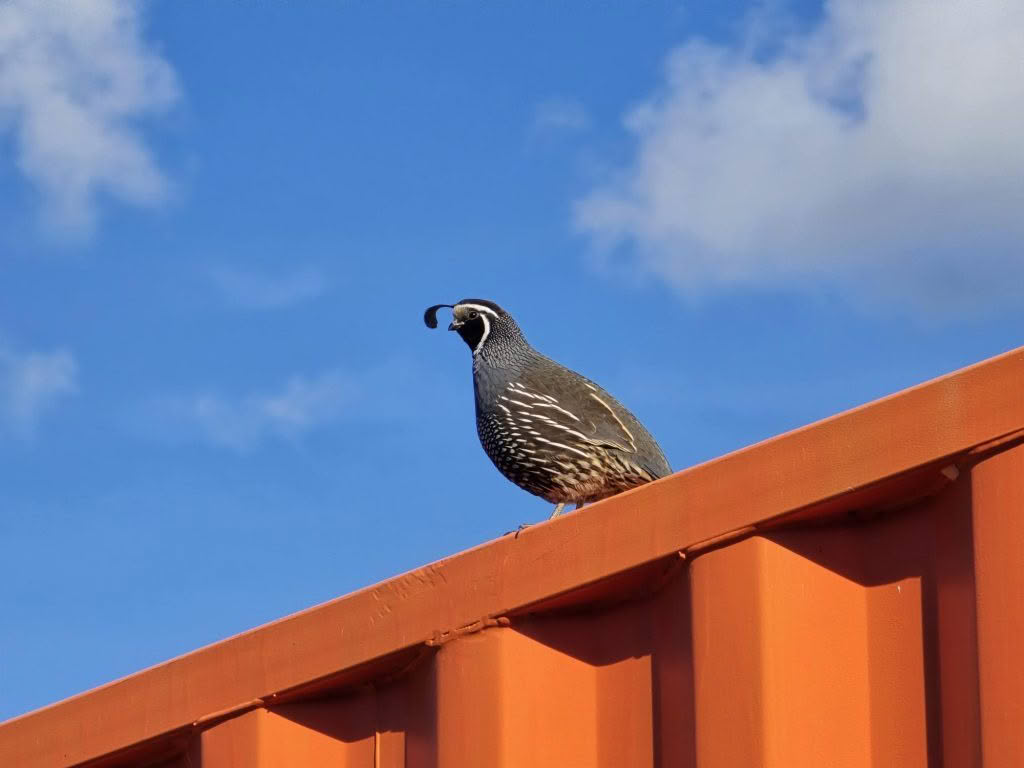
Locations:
(848, 594)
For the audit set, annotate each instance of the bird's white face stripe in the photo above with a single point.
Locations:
(486, 313)
(487, 328)
(479, 308)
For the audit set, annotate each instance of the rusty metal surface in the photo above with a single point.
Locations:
(847, 594)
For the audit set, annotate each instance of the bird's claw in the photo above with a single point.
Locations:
(519, 529)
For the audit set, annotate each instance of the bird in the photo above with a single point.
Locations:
(551, 431)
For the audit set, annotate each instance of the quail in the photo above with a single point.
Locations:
(549, 430)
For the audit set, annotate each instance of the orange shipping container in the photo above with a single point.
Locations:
(848, 594)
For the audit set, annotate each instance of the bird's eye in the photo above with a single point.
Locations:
(474, 315)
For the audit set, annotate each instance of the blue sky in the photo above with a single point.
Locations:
(220, 223)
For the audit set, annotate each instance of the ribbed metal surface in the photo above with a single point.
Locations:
(849, 594)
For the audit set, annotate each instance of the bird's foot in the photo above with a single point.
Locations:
(521, 527)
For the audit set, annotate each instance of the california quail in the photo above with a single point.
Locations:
(549, 430)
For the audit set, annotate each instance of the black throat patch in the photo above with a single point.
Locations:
(473, 331)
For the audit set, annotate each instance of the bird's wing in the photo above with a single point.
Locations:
(593, 419)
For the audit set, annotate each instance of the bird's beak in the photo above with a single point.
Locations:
(455, 325)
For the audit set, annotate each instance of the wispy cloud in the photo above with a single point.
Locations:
(300, 406)
(879, 151)
(244, 422)
(30, 384)
(76, 77)
(560, 116)
(255, 290)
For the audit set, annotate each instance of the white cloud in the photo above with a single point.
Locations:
(30, 384)
(879, 151)
(303, 404)
(560, 116)
(253, 290)
(75, 78)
